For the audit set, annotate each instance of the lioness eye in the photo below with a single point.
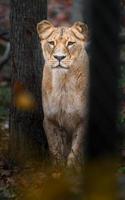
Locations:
(51, 43)
(71, 43)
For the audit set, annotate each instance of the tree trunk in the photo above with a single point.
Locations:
(27, 139)
(104, 74)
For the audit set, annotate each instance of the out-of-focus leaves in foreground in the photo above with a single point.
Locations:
(23, 99)
(97, 181)
(101, 180)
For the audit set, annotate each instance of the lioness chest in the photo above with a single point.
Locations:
(63, 105)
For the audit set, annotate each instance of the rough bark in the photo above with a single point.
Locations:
(27, 139)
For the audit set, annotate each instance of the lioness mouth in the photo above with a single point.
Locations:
(60, 66)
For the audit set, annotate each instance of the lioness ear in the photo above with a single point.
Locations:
(44, 29)
(80, 30)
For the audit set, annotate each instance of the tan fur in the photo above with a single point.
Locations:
(65, 89)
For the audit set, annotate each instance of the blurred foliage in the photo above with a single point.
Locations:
(25, 101)
(121, 170)
(101, 180)
(2, 49)
(37, 181)
(5, 95)
(59, 11)
(96, 181)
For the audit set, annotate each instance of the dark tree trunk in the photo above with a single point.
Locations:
(104, 22)
(27, 139)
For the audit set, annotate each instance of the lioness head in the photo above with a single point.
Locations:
(62, 46)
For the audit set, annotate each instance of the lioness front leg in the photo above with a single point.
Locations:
(56, 140)
(76, 154)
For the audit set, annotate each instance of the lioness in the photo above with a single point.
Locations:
(65, 88)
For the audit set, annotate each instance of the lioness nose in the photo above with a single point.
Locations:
(59, 58)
